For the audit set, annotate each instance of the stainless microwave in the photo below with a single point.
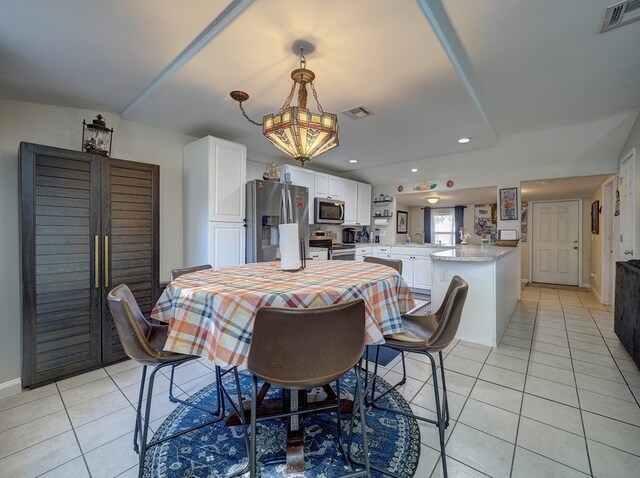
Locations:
(328, 211)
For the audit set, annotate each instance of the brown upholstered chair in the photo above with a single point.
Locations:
(175, 273)
(426, 334)
(298, 349)
(143, 342)
(393, 263)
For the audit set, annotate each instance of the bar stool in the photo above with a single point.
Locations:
(299, 349)
(426, 334)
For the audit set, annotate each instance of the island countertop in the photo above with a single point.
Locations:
(473, 253)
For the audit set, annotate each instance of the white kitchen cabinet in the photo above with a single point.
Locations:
(407, 267)
(363, 212)
(357, 203)
(383, 252)
(416, 266)
(306, 178)
(362, 252)
(213, 194)
(319, 255)
(422, 269)
(328, 186)
(227, 244)
(350, 198)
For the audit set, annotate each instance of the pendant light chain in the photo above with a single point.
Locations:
(245, 115)
(315, 95)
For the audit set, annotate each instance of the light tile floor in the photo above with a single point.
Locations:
(557, 398)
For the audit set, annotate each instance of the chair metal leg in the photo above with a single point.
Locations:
(439, 415)
(375, 375)
(445, 400)
(441, 411)
(138, 409)
(254, 437)
(363, 421)
(145, 429)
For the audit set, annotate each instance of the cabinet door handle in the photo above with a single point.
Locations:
(96, 262)
(106, 261)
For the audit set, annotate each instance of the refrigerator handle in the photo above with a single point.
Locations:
(290, 218)
(283, 208)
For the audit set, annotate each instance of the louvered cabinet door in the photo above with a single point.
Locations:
(130, 202)
(60, 207)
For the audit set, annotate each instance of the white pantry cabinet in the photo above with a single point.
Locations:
(213, 192)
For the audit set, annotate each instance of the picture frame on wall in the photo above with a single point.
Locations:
(401, 222)
(509, 204)
(595, 217)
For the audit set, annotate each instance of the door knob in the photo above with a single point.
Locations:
(628, 252)
(575, 242)
(575, 247)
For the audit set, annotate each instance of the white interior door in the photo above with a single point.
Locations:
(628, 208)
(556, 242)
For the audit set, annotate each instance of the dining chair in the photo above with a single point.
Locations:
(393, 263)
(299, 349)
(427, 334)
(397, 265)
(143, 342)
(175, 273)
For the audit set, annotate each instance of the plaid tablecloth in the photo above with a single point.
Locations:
(210, 313)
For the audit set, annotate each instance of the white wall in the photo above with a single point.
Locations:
(633, 141)
(62, 127)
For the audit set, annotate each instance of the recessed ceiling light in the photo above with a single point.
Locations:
(414, 170)
(464, 140)
(353, 161)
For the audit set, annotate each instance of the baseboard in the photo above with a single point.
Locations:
(524, 281)
(595, 293)
(10, 388)
(585, 286)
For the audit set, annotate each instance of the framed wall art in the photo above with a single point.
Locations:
(401, 222)
(509, 204)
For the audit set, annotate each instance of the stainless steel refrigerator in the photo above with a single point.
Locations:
(270, 204)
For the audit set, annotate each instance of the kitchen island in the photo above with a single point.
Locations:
(493, 275)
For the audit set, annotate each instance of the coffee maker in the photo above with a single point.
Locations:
(348, 235)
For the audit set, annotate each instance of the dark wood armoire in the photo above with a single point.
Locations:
(88, 223)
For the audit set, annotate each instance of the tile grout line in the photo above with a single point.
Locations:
(614, 359)
(73, 429)
(468, 397)
(524, 386)
(584, 429)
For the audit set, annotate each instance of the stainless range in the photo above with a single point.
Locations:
(337, 252)
(343, 252)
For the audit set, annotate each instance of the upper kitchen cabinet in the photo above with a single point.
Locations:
(306, 178)
(215, 174)
(328, 186)
(363, 215)
(357, 203)
(213, 191)
(350, 198)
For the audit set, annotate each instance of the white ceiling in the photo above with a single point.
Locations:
(429, 71)
(560, 189)
(450, 198)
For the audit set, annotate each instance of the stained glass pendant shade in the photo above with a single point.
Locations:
(295, 130)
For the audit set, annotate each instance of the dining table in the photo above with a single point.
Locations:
(210, 314)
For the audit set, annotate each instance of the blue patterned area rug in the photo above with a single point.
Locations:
(217, 450)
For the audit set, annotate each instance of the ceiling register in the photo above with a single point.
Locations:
(295, 130)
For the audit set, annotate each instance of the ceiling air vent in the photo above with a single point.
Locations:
(359, 112)
(620, 14)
